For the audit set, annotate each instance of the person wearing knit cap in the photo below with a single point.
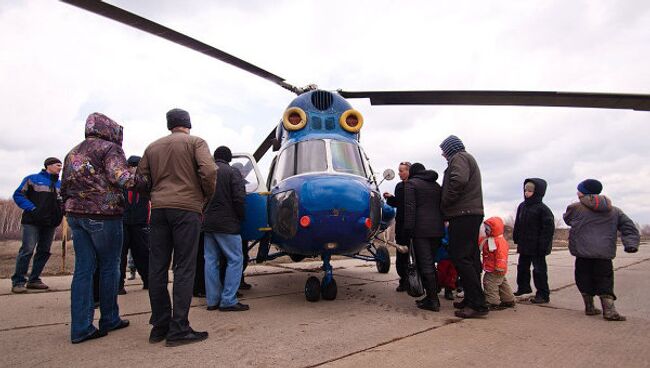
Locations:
(595, 224)
(38, 195)
(222, 240)
(462, 206)
(533, 233)
(182, 177)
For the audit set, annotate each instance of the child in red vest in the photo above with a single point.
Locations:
(495, 264)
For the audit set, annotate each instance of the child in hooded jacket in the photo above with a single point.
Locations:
(533, 234)
(494, 248)
(592, 240)
(447, 273)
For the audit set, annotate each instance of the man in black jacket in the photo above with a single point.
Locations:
(136, 230)
(397, 201)
(39, 197)
(533, 234)
(423, 223)
(462, 206)
(222, 226)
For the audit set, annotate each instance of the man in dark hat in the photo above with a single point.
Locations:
(592, 240)
(223, 244)
(39, 197)
(136, 230)
(182, 177)
(462, 206)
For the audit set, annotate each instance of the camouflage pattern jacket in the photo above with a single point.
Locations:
(95, 172)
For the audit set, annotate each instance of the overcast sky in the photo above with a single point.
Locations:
(60, 63)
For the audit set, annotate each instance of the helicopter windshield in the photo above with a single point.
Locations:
(302, 157)
(346, 158)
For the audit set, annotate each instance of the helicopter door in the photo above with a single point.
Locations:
(256, 223)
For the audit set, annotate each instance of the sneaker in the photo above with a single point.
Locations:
(190, 338)
(239, 307)
(18, 289)
(522, 292)
(540, 300)
(37, 285)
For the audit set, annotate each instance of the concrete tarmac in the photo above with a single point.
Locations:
(368, 325)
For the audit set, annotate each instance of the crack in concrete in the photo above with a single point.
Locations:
(447, 322)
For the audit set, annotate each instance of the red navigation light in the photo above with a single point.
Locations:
(305, 221)
(368, 223)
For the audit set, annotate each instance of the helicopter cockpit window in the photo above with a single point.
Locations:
(346, 158)
(245, 167)
(303, 157)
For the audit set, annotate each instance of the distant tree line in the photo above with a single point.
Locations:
(10, 216)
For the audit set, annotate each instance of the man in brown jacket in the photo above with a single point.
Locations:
(182, 177)
(462, 206)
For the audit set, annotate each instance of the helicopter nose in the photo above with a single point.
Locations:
(339, 212)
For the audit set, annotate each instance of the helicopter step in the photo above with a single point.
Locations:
(326, 288)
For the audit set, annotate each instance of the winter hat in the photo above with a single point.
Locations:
(51, 161)
(223, 153)
(529, 187)
(416, 168)
(133, 161)
(452, 145)
(178, 118)
(590, 186)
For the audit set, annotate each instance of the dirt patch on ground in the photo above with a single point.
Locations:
(9, 250)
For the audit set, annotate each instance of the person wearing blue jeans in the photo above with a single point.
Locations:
(39, 197)
(222, 248)
(99, 240)
(94, 177)
(222, 225)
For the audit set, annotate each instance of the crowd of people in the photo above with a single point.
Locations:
(178, 204)
(442, 223)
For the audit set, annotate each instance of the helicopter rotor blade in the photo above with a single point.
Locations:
(146, 25)
(639, 102)
(264, 147)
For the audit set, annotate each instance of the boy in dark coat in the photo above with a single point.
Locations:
(423, 223)
(533, 234)
(592, 240)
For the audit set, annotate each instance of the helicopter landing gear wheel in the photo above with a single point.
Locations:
(382, 260)
(312, 289)
(296, 257)
(328, 291)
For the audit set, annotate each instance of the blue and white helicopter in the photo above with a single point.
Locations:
(321, 197)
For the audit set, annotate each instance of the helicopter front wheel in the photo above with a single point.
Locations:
(382, 259)
(312, 289)
(328, 290)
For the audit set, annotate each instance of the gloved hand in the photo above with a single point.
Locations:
(630, 250)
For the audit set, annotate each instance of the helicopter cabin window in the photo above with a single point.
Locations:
(346, 158)
(245, 166)
(300, 158)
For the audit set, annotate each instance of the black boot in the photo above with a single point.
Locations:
(431, 303)
(449, 294)
(590, 309)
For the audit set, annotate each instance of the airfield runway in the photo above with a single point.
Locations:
(368, 325)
